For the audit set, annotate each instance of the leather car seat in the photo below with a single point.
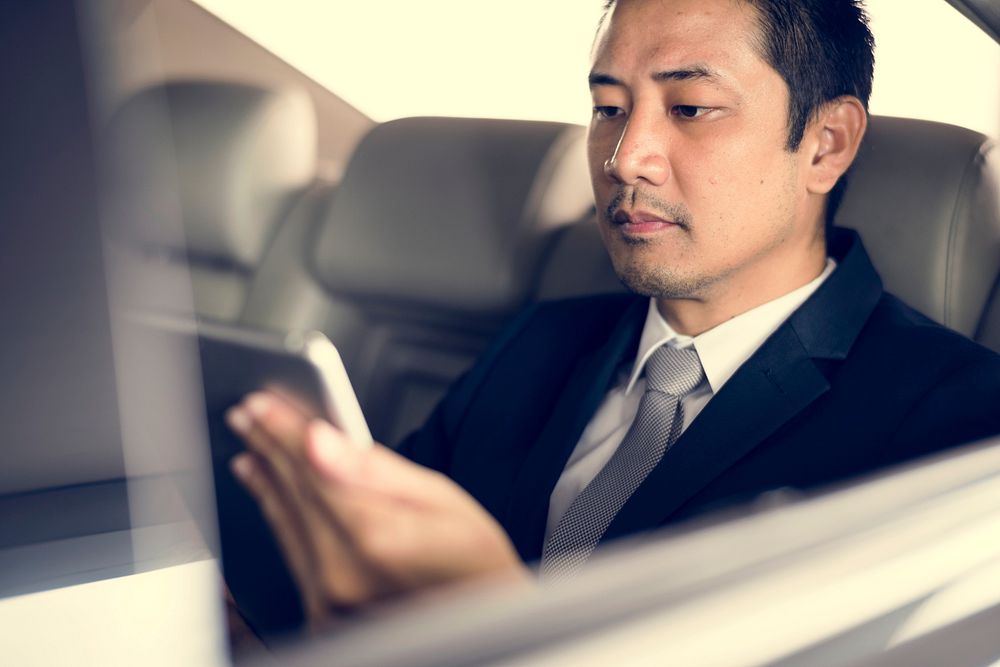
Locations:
(925, 198)
(431, 241)
(202, 174)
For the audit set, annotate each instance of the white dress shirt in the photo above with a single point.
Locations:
(722, 350)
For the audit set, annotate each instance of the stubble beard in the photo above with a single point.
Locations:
(652, 279)
(645, 276)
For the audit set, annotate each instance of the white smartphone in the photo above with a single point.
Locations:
(304, 368)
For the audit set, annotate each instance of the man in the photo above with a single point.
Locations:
(761, 354)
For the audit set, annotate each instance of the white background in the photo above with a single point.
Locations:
(529, 58)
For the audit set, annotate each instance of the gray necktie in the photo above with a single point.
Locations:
(670, 374)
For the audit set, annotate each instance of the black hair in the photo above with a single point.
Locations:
(823, 49)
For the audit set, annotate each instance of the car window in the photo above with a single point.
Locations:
(525, 59)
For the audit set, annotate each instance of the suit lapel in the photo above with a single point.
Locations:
(780, 380)
(527, 511)
(771, 388)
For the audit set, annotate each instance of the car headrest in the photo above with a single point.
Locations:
(451, 212)
(925, 198)
(577, 264)
(227, 158)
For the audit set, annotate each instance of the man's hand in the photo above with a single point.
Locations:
(360, 524)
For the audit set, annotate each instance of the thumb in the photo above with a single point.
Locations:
(377, 469)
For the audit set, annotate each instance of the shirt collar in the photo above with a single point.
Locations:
(724, 348)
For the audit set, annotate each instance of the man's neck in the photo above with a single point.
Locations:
(736, 295)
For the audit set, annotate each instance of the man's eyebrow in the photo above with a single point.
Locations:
(685, 73)
(601, 79)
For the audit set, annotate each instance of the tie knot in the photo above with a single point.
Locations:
(673, 370)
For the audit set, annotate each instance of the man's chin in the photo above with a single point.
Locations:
(657, 281)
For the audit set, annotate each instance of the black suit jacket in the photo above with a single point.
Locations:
(853, 381)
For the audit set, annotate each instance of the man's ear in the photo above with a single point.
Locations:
(834, 136)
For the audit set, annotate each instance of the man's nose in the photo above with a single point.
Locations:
(640, 154)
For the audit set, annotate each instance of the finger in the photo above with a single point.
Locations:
(333, 572)
(285, 481)
(395, 511)
(358, 493)
(286, 525)
(275, 430)
(283, 422)
(376, 469)
(399, 540)
(351, 530)
(260, 442)
(366, 526)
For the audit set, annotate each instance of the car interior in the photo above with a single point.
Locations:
(231, 187)
(412, 281)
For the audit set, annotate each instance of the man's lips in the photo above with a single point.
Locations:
(642, 222)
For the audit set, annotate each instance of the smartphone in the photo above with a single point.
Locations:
(305, 369)
(302, 367)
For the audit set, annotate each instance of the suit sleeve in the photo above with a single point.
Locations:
(432, 444)
(961, 408)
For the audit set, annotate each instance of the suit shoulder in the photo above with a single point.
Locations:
(913, 334)
(588, 316)
(559, 324)
(597, 304)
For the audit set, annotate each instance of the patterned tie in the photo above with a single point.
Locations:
(670, 374)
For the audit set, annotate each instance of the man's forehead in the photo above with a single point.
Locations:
(666, 34)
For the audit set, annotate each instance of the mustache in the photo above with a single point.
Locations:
(674, 212)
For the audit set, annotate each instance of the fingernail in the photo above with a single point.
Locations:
(257, 405)
(327, 445)
(242, 466)
(238, 420)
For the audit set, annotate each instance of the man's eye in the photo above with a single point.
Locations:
(607, 112)
(689, 111)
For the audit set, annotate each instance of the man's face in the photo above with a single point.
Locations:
(696, 193)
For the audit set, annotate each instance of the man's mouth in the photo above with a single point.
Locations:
(643, 222)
